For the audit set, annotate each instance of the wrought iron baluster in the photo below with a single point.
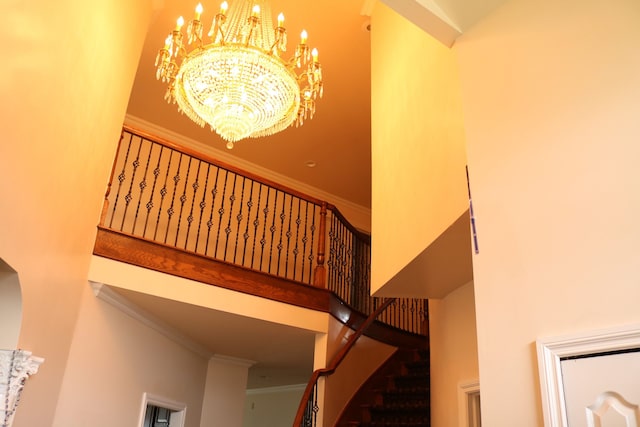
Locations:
(256, 224)
(246, 234)
(142, 185)
(129, 196)
(203, 205)
(280, 246)
(263, 240)
(214, 192)
(163, 193)
(156, 174)
(272, 229)
(221, 213)
(171, 210)
(313, 235)
(295, 248)
(304, 242)
(239, 219)
(227, 230)
(121, 177)
(348, 249)
(288, 234)
(183, 199)
(341, 273)
(195, 186)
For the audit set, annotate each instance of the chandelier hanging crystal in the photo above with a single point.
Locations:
(237, 80)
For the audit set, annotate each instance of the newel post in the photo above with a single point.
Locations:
(320, 272)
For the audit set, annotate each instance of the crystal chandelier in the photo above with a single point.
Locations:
(238, 80)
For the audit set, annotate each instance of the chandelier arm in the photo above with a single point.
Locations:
(236, 81)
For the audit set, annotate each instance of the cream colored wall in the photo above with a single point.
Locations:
(223, 401)
(418, 154)
(146, 281)
(272, 407)
(454, 352)
(114, 359)
(551, 94)
(10, 307)
(67, 71)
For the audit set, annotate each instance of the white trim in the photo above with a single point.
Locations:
(465, 390)
(230, 360)
(106, 294)
(358, 215)
(276, 389)
(163, 402)
(551, 350)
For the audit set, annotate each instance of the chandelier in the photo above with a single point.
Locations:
(238, 80)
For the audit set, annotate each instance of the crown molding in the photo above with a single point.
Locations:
(105, 293)
(277, 389)
(230, 360)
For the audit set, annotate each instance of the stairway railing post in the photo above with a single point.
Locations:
(320, 272)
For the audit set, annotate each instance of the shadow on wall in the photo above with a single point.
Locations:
(10, 307)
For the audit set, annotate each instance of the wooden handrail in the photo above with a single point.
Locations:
(358, 233)
(335, 361)
(165, 193)
(205, 158)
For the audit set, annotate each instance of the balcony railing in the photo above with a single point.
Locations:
(171, 195)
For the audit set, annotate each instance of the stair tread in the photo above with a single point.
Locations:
(401, 396)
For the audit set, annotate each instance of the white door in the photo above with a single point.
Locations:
(602, 390)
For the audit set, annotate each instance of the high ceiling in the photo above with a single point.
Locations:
(337, 140)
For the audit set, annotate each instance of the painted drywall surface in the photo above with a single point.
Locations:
(114, 359)
(454, 352)
(10, 307)
(142, 280)
(363, 359)
(65, 80)
(223, 402)
(418, 154)
(272, 407)
(551, 94)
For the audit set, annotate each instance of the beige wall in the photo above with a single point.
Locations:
(454, 352)
(223, 401)
(114, 359)
(10, 307)
(67, 71)
(272, 407)
(418, 180)
(551, 96)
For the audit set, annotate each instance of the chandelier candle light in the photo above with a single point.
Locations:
(237, 80)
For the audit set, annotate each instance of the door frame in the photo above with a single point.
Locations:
(178, 409)
(552, 349)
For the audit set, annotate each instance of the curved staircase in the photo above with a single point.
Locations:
(396, 395)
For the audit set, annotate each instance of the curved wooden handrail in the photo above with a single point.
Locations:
(358, 233)
(335, 361)
(198, 155)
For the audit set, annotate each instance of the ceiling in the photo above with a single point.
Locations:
(337, 140)
(280, 355)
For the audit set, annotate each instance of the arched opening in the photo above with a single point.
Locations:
(10, 306)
